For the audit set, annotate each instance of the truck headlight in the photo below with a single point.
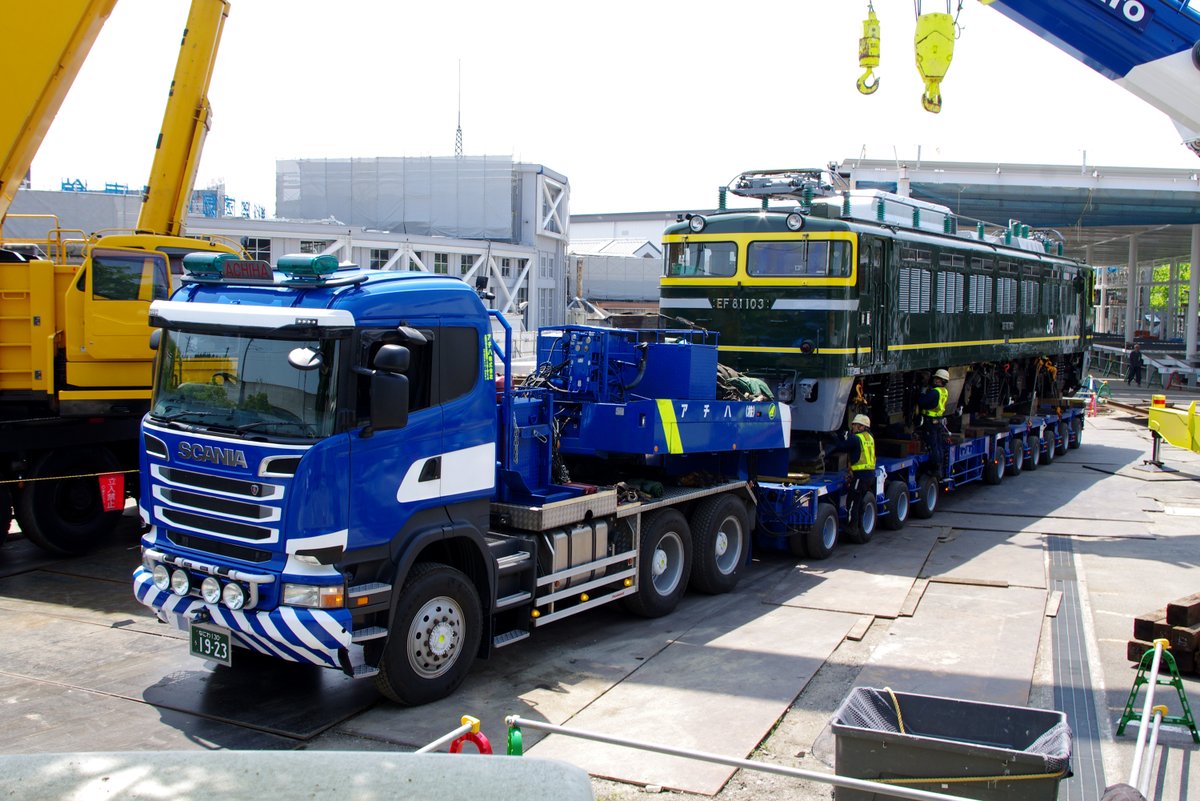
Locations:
(210, 590)
(313, 596)
(161, 577)
(233, 596)
(180, 583)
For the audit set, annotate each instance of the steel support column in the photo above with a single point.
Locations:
(1131, 293)
(1193, 293)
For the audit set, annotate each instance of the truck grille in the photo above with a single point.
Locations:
(217, 506)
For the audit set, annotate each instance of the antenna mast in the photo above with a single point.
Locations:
(458, 133)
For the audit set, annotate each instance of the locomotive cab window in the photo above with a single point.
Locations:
(799, 259)
(701, 259)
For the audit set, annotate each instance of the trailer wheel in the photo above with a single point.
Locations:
(1051, 450)
(926, 505)
(821, 539)
(867, 513)
(993, 470)
(719, 526)
(434, 636)
(1060, 448)
(664, 564)
(897, 501)
(1077, 427)
(1018, 459)
(66, 516)
(1035, 452)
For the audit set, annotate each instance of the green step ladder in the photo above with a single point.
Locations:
(1175, 681)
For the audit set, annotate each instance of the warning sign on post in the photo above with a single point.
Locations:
(112, 491)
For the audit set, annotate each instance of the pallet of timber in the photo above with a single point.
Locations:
(1184, 660)
(1185, 611)
(1144, 624)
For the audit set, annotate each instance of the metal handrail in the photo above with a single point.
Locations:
(847, 782)
(1144, 785)
(1147, 712)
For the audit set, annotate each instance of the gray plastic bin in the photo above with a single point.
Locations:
(948, 738)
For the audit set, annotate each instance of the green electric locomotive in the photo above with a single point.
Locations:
(846, 303)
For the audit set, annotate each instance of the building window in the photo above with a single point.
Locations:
(258, 249)
(314, 245)
(441, 263)
(380, 257)
(506, 267)
(465, 262)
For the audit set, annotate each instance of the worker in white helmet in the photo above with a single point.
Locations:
(860, 447)
(931, 406)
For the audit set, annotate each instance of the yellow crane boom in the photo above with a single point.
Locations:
(39, 62)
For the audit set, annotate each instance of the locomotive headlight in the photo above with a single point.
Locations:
(161, 577)
(795, 221)
(233, 596)
(807, 346)
(210, 590)
(180, 583)
(696, 223)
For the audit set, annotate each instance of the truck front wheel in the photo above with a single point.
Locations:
(664, 564)
(719, 527)
(433, 638)
(66, 515)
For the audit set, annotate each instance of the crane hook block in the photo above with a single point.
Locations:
(868, 53)
(935, 49)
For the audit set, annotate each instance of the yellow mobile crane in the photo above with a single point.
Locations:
(75, 361)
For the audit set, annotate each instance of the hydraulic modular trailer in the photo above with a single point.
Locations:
(332, 473)
(805, 515)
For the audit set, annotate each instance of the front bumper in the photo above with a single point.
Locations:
(309, 636)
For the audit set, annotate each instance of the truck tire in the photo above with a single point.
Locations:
(1077, 427)
(1035, 453)
(993, 470)
(719, 536)
(664, 564)
(1064, 437)
(927, 500)
(1051, 450)
(821, 540)
(1018, 458)
(66, 516)
(897, 501)
(433, 637)
(866, 513)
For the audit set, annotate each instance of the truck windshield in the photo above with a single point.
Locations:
(246, 384)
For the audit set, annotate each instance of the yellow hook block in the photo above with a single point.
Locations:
(935, 49)
(868, 54)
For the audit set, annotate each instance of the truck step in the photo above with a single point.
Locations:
(370, 633)
(516, 599)
(365, 671)
(514, 562)
(508, 638)
(373, 588)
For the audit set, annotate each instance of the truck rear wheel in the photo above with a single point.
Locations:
(66, 516)
(664, 564)
(821, 539)
(1018, 458)
(1035, 452)
(993, 470)
(1064, 438)
(433, 637)
(719, 536)
(866, 514)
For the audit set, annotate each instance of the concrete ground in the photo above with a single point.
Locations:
(1021, 594)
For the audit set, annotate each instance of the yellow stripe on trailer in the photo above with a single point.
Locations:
(666, 414)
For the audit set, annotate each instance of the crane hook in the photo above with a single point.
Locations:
(935, 49)
(868, 52)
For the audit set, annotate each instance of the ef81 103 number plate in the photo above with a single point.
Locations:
(210, 642)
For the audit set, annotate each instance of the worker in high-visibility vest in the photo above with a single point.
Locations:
(931, 406)
(860, 448)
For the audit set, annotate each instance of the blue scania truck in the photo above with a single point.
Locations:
(335, 472)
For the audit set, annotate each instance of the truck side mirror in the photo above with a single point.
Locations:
(155, 338)
(391, 359)
(389, 398)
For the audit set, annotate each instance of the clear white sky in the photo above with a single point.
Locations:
(642, 105)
